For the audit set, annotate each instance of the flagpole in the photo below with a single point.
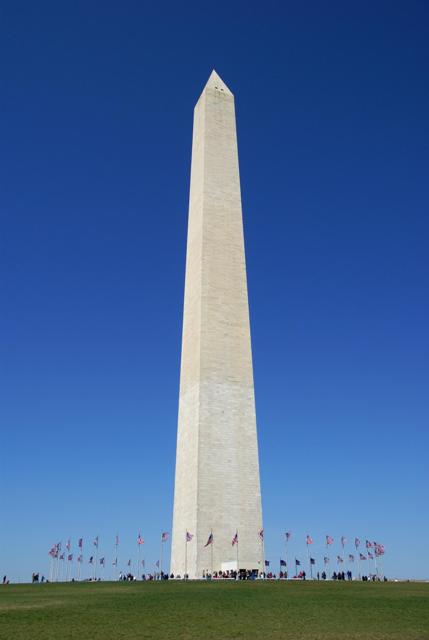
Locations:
(286, 560)
(211, 553)
(96, 559)
(160, 560)
(238, 567)
(116, 556)
(138, 561)
(309, 561)
(261, 537)
(186, 555)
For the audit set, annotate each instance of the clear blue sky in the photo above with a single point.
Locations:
(96, 122)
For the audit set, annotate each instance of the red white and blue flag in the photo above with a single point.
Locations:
(351, 557)
(368, 544)
(210, 540)
(261, 534)
(140, 539)
(95, 543)
(235, 539)
(70, 557)
(288, 535)
(80, 543)
(343, 541)
(189, 536)
(309, 539)
(357, 542)
(326, 560)
(329, 540)
(362, 557)
(339, 559)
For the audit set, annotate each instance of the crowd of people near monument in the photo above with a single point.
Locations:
(243, 574)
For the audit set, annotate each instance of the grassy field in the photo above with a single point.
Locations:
(199, 611)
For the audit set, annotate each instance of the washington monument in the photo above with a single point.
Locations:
(217, 489)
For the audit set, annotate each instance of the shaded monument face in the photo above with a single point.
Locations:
(217, 486)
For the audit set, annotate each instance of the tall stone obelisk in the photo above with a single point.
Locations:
(217, 487)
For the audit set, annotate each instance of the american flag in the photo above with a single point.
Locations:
(261, 534)
(368, 544)
(379, 549)
(142, 563)
(157, 563)
(70, 557)
(79, 558)
(351, 557)
(189, 536)
(326, 560)
(164, 536)
(343, 541)
(309, 539)
(116, 540)
(370, 555)
(362, 557)
(282, 563)
(297, 562)
(80, 543)
(235, 539)
(129, 562)
(140, 539)
(329, 540)
(95, 543)
(68, 545)
(91, 560)
(102, 561)
(115, 562)
(210, 540)
(357, 542)
(267, 563)
(288, 535)
(62, 556)
(312, 561)
(339, 559)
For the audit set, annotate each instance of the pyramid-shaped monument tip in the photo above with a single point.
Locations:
(216, 82)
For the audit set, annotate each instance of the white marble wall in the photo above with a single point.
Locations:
(217, 484)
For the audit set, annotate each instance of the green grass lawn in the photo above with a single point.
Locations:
(197, 610)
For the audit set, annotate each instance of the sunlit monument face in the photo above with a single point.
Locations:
(217, 487)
